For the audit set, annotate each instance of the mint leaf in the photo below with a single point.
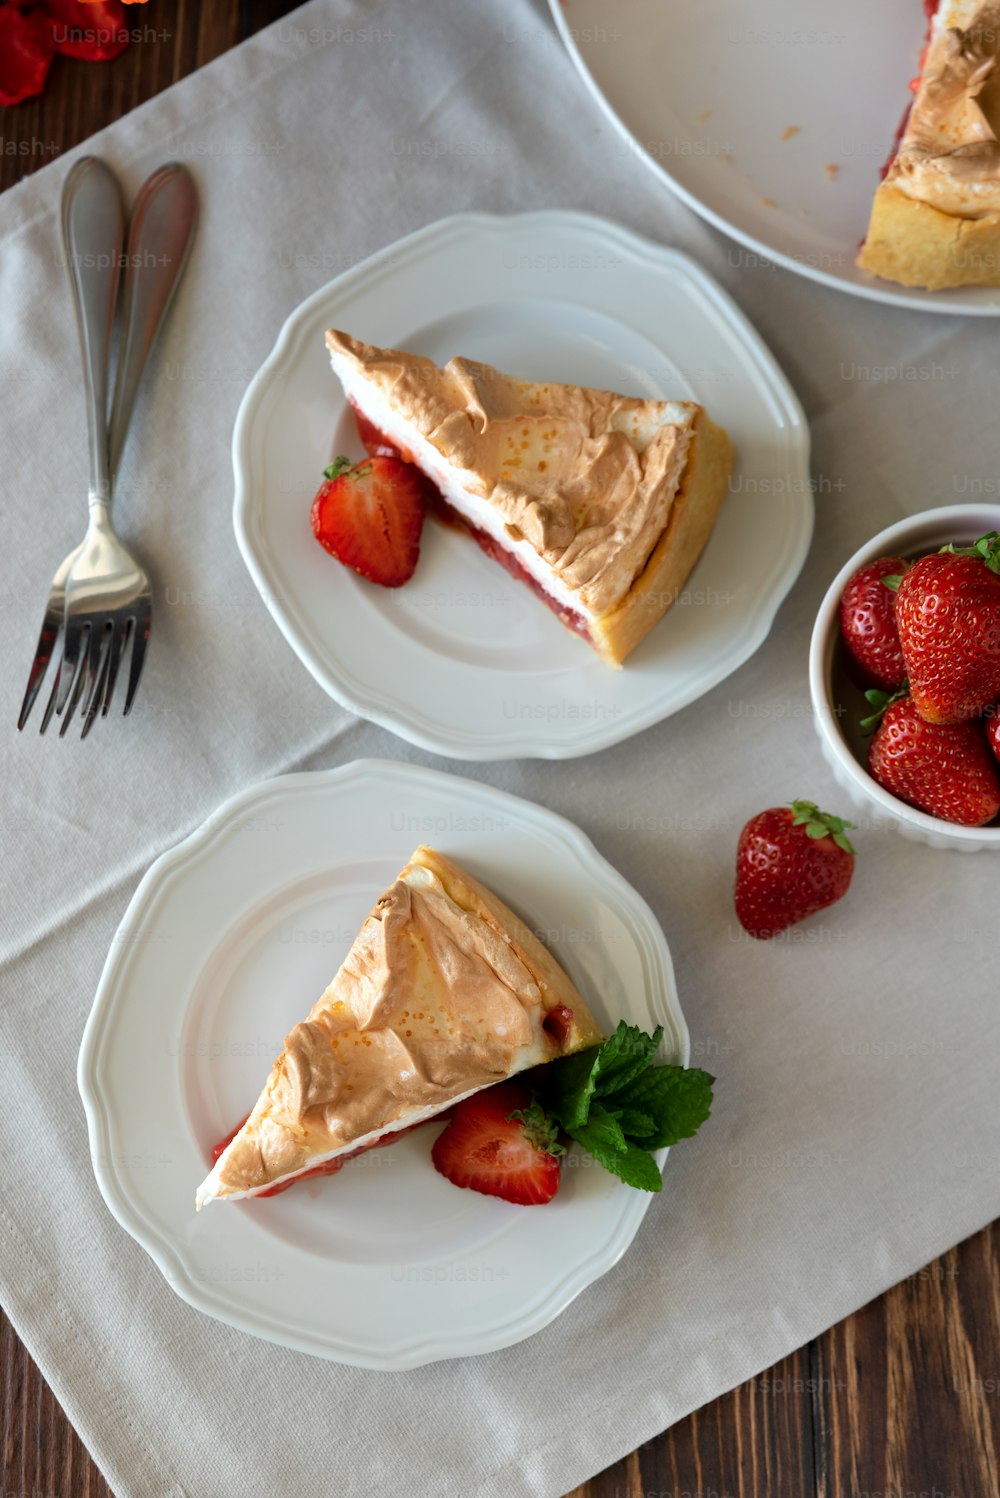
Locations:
(633, 1123)
(603, 1131)
(601, 1070)
(626, 1055)
(633, 1165)
(678, 1098)
(615, 1101)
(570, 1086)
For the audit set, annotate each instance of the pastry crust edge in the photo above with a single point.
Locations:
(690, 522)
(914, 244)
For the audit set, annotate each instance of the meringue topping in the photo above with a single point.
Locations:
(443, 992)
(577, 481)
(949, 156)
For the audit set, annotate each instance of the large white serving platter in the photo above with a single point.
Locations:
(704, 91)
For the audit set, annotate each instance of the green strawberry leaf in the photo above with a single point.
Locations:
(987, 548)
(339, 465)
(821, 824)
(880, 701)
(892, 582)
(540, 1130)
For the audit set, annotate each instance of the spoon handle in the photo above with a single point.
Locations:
(161, 231)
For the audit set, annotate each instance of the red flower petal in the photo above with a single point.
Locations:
(25, 54)
(96, 32)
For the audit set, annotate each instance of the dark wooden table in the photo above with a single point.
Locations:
(902, 1400)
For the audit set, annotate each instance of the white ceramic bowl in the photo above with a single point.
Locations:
(838, 704)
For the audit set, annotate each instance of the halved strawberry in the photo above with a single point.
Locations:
(370, 516)
(503, 1144)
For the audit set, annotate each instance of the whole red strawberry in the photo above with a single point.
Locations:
(501, 1143)
(868, 623)
(790, 862)
(370, 516)
(945, 769)
(948, 616)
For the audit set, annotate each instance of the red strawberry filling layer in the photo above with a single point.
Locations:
(378, 445)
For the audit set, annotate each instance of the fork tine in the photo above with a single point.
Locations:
(105, 638)
(51, 625)
(96, 652)
(79, 677)
(116, 649)
(140, 639)
(50, 706)
(72, 632)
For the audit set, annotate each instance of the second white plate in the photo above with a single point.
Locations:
(226, 941)
(464, 660)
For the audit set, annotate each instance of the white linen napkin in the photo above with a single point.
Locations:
(856, 1133)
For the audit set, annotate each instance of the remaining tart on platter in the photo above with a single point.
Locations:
(602, 503)
(444, 992)
(935, 220)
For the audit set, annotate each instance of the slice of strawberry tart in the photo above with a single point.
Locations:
(601, 502)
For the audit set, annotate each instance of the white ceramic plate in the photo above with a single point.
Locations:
(464, 660)
(228, 939)
(704, 90)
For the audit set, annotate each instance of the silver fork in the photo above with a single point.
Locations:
(100, 601)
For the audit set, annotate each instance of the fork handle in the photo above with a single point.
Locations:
(93, 228)
(161, 229)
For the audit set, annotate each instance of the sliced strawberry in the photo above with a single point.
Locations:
(370, 517)
(501, 1143)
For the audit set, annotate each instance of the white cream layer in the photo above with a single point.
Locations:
(459, 486)
(208, 1190)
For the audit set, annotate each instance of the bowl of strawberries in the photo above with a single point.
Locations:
(904, 673)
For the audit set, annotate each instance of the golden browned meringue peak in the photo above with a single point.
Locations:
(444, 991)
(586, 477)
(949, 156)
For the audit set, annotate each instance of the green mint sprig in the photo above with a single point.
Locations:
(615, 1101)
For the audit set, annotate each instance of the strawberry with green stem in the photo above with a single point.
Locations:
(948, 617)
(791, 861)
